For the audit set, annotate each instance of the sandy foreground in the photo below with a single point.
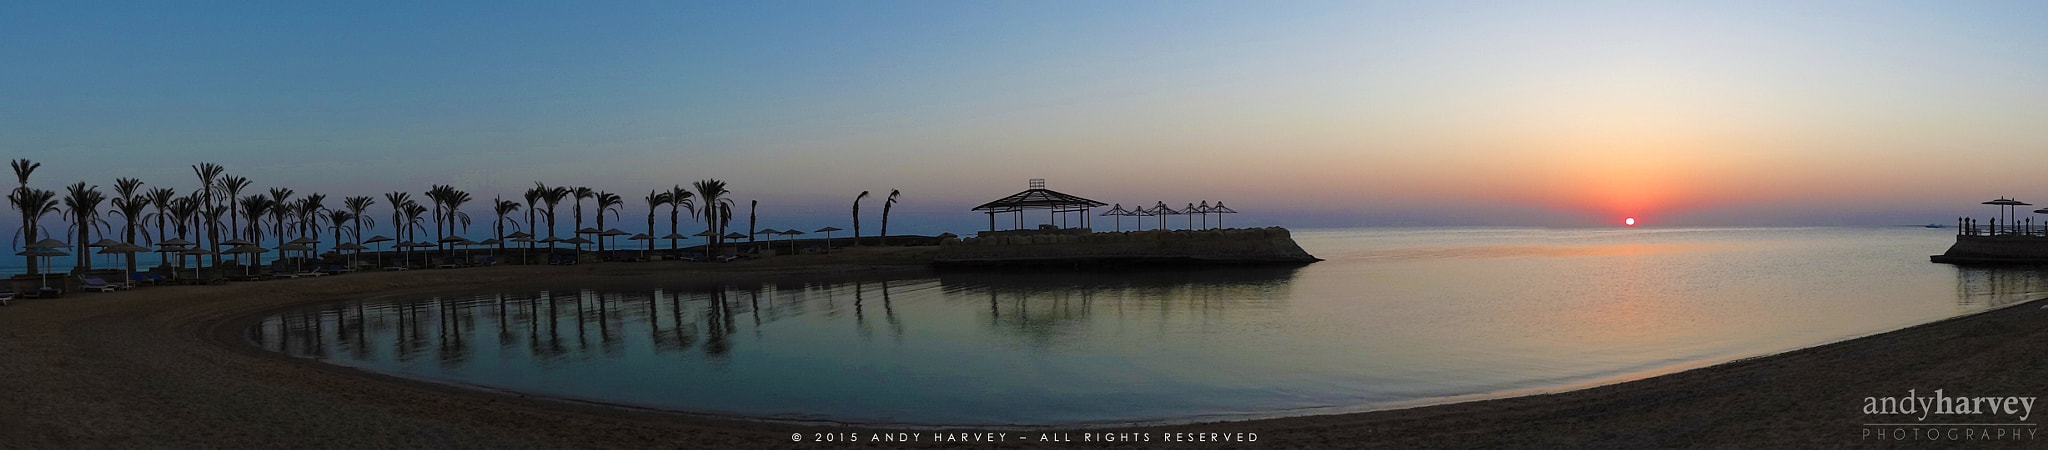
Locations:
(167, 367)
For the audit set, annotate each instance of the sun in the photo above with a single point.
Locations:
(1629, 221)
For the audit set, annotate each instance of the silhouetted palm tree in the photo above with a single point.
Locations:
(22, 169)
(160, 199)
(606, 201)
(359, 207)
(654, 201)
(129, 202)
(209, 177)
(233, 186)
(553, 197)
(452, 210)
(82, 206)
(398, 200)
(679, 199)
(412, 212)
(309, 210)
(532, 197)
(254, 207)
(888, 204)
(337, 220)
(753, 206)
(502, 208)
(578, 194)
(33, 204)
(716, 209)
(280, 210)
(856, 217)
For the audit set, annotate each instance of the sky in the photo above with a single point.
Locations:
(1299, 114)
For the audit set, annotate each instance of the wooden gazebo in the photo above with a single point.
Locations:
(1038, 197)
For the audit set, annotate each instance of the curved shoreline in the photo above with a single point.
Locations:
(169, 367)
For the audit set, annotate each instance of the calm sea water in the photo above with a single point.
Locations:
(1395, 317)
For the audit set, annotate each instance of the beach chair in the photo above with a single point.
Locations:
(141, 277)
(5, 297)
(96, 284)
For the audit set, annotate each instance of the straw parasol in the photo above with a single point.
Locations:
(2005, 210)
(294, 246)
(611, 233)
(734, 236)
(196, 252)
(380, 247)
(1119, 212)
(247, 249)
(44, 253)
(643, 237)
(1219, 210)
(792, 233)
(123, 248)
(352, 249)
(828, 237)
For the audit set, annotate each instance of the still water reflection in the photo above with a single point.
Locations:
(1395, 317)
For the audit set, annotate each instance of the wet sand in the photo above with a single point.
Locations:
(167, 366)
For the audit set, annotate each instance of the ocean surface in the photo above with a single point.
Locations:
(1394, 317)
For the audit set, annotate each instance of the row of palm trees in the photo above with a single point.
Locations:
(199, 214)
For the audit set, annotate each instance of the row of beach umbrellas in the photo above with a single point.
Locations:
(1161, 210)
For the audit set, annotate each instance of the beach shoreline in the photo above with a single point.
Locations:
(171, 366)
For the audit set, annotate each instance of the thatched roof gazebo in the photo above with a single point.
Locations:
(1038, 197)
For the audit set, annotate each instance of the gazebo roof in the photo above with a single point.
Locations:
(1038, 197)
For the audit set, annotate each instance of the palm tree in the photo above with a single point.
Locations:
(606, 201)
(452, 201)
(357, 207)
(209, 176)
(280, 210)
(398, 200)
(579, 194)
(335, 220)
(716, 209)
(233, 186)
(22, 168)
(856, 217)
(412, 217)
(185, 214)
(160, 199)
(309, 211)
(82, 205)
(886, 206)
(654, 201)
(502, 208)
(532, 197)
(254, 207)
(553, 197)
(752, 207)
(129, 203)
(33, 205)
(679, 199)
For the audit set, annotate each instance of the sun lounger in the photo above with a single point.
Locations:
(140, 277)
(96, 284)
(6, 296)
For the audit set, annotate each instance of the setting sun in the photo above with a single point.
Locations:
(1629, 221)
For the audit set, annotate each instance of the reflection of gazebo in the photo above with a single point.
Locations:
(1038, 197)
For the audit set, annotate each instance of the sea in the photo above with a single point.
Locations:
(1393, 317)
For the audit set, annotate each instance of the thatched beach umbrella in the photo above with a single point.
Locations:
(828, 237)
(1119, 212)
(299, 264)
(353, 250)
(1204, 210)
(645, 246)
(733, 236)
(1162, 211)
(252, 250)
(380, 247)
(792, 233)
(708, 235)
(196, 253)
(614, 243)
(1219, 210)
(44, 253)
(123, 248)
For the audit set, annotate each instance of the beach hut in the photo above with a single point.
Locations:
(1037, 197)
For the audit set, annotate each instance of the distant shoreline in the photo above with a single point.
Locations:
(170, 367)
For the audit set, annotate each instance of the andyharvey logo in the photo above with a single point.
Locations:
(1944, 417)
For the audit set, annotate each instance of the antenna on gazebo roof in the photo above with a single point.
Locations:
(1038, 183)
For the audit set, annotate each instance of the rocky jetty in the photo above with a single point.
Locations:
(2000, 249)
(1271, 245)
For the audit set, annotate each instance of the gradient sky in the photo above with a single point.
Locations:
(1298, 113)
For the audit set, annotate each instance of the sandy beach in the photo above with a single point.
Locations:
(168, 366)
